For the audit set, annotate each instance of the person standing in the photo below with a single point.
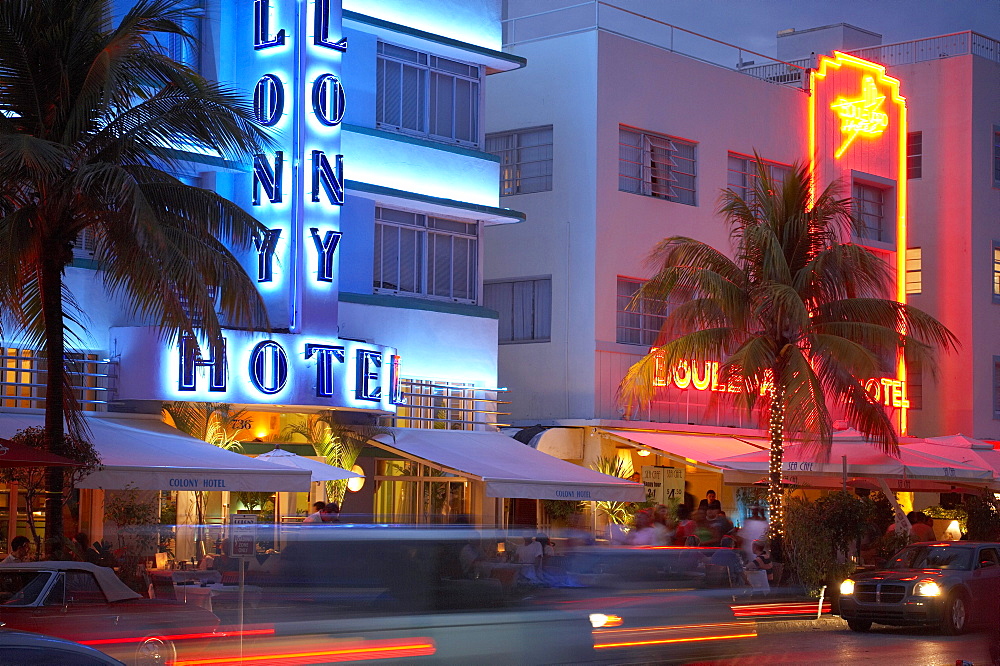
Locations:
(754, 528)
(710, 502)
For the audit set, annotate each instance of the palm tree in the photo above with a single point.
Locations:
(799, 317)
(338, 444)
(89, 114)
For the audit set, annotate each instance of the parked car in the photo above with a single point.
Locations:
(87, 603)
(22, 648)
(951, 584)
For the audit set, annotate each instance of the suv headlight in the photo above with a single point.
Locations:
(847, 587)
(927, 588)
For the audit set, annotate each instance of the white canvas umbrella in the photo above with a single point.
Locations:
(320, 470)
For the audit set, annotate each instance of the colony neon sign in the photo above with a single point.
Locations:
(704, 376)
(328, 103)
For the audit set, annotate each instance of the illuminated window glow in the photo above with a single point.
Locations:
(914, 270)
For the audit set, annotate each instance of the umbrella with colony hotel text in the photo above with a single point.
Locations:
(320, 470)
(13, 454)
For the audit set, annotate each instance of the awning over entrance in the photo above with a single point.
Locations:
(509, 468)
(145, 453)
(686, 448)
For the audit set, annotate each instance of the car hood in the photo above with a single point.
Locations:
(902, 575)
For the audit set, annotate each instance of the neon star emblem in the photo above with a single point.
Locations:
(862, 116)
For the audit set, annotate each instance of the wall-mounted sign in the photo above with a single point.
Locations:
(289, 53)
(704, 376)
(281, 369)
(664, 485)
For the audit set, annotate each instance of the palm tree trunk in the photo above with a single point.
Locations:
(55, 394)
(775, 491)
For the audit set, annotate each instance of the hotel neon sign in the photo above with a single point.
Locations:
(862, 116)
(704, 376)
(862, 101)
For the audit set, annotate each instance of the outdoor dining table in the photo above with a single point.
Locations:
(207, 596)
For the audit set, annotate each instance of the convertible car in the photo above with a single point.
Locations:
(87, 603)
(950, 584)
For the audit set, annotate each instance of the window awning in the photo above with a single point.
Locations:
(142, 452)
(508, 467)
(686, 448)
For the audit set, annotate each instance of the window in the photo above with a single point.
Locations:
(525, 159)
(421, 255)
(656, 166)
(743, 174)
(914, 270)
(870, 203)
(996, 156)
(85, 244)
(914, 154)
(640, 324)
(915, 383)
(525, 308)
(996, 272)
(426, 95)
(996, 387)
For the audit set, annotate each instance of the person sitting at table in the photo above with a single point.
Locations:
(762, 561)
(330, 513)
(470, 555)
(728, 555)
(530, 552)
(316, 517)
(224, 562)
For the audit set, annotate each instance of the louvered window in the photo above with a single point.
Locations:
(656, 165)
(422, 255)
(426, 95)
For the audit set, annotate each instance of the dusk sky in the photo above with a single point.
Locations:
(753, 24)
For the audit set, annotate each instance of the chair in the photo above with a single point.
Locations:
(692, 541)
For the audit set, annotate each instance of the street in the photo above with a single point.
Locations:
(912, 646)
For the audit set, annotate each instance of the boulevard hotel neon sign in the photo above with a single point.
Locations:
(297, 191)
(704, 376)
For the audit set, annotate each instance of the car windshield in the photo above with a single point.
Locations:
(933, 557)
(21, 588)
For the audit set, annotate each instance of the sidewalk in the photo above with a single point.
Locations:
(787, 609)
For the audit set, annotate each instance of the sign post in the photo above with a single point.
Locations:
(242, 544)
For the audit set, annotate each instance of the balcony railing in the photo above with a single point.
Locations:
(448, 406)
(573, 18)
(890, 55)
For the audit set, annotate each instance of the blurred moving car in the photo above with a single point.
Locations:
(22, 648)
(456, 595)
(87, 603)
(951, 584)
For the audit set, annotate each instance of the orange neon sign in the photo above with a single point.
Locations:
(862, 116)
(704, 376)
(852, 98)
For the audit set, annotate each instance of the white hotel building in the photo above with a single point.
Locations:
(376, 197)
(625, 131)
